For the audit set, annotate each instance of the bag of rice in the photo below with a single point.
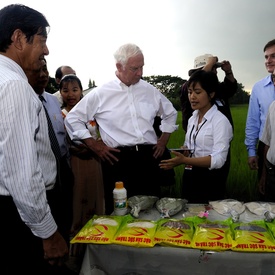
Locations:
(136, 232)
(212, 235)
(100, 230)
(252, 237)
(174, 232)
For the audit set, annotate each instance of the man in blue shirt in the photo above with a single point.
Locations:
(60, 198)
(65, 176)
(263, 93)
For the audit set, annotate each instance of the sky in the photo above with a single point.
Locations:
(171, 33)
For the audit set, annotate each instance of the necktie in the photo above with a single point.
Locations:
(52, 136)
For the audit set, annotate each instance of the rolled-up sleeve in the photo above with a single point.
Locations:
(169, 116)
(76, 120)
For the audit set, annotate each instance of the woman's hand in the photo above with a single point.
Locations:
(167, 164)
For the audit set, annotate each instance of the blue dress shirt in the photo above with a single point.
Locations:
(263, 93)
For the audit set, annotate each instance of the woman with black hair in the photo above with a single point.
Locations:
(207, 139)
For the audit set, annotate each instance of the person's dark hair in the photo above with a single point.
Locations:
(58, 72)
(70, 78)
(28, 20)
(269, 44)
(208, 80)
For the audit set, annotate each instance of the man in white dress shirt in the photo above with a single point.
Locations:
(124, 109)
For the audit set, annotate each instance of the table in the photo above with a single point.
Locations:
(118, 260)
(114, 259)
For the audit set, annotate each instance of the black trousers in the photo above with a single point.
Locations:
(20, 251)
(269, 195)
(61, 199)
(138, 170)
(201, 185)
(260, 153)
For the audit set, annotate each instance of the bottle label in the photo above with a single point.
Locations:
(120, 203)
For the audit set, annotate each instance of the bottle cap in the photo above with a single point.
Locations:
(119, 184)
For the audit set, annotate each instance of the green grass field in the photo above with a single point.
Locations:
(241, 182)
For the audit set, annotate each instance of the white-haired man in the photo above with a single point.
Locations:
(124, 109)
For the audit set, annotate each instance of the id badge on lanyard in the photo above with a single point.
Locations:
(188, 166)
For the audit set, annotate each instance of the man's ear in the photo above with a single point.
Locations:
(18, 39)
(119, 67)
(57, 80)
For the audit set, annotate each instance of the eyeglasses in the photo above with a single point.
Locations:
(134, 69)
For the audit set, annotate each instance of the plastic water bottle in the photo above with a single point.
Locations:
(120, 199)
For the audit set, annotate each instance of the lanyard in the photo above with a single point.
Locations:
(195, 137)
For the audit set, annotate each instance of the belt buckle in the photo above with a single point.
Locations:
(137, 148)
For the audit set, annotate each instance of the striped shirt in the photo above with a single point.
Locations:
(27, 164)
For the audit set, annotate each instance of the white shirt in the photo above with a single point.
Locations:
(27, 163)
(125, 115)
(211, 137)
(91, 125)
(57, 94)
(268, 136)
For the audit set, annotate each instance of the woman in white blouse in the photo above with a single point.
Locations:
(208, 138)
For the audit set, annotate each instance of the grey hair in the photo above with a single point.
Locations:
(126, 51)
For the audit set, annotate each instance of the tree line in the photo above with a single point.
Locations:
(169, 85)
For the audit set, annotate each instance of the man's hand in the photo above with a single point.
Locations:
(253, 163)
(226, 66)
(159, 148)
(210, 63)
(56, 251)
(101, 149)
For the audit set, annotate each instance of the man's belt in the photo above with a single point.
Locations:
(137, 147)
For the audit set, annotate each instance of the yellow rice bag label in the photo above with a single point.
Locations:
(174, 232)
(253, 237)
(135, 232)
(100, 230)
(212, 235)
